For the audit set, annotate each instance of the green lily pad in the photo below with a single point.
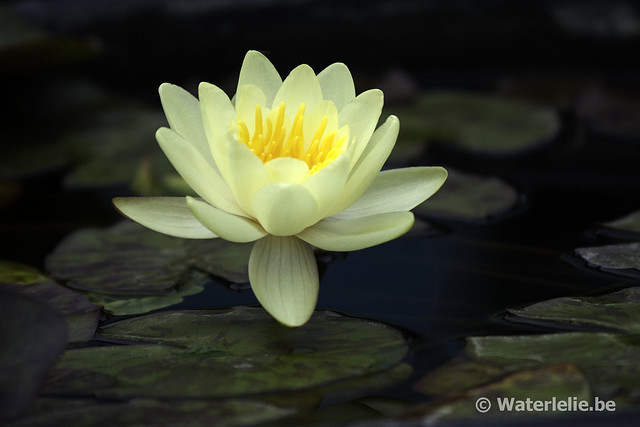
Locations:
(627, 226)
(619, 310)
(608, 360)
(126, 306)
(562, 382)
(466, 197)
(33, 335)
(224, 353)
(80, 314)
(622, 259)
(92, 412)
(480, 123)
(128, 259)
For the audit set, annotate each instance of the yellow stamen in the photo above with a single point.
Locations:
(271, 139)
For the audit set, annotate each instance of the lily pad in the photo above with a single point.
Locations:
(607, 360)
(91, 412)
(79, 313)
(224, 353)
(627, 226)
(33, 335)
(128, 259)
(619, 311)
(481, 123)
(126, 306)
(466, 197)
(562, 382)
(622, 259)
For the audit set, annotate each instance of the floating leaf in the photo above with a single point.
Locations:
(222, 353)
(562, 382)
(126, 306)
(608, 360)
(470, 198)
(32, 337)
(627, 226)
(80, 314)
(619, 310)
(622, 259)
(481, 123)
(91, 412)
(128, 259)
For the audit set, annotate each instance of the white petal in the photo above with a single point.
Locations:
(257, 70)
(219, 120)
(357, 233)
(168, 215)
(370, 163)
(284, 277)
(228, 226)
(397, 190)
(284, 209)
(361, 115)
(287, 170)
(337, 84)
(300, 86)
(196, 171)
(183, 114)
(246, 100)
(246, 174)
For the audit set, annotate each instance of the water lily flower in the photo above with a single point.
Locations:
(289, 165)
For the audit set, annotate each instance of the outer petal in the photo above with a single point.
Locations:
(300, 86)
(362, 116)
(228, 226)
(337, 84)
(284, 277)
(183, 114)
(397, 190)
(257, 70)
(285, 209)
(196, 171)
(357, 233)
(219, 119)
(168, 215)
(246, 175)
(371, 161)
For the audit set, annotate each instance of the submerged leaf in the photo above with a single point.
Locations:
(470, 198)
(80, 314)
(235, 352)
(32, 337)
(481, 123)
(205, 413)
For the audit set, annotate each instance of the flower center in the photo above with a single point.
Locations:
(271, 140)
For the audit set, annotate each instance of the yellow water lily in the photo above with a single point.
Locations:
(291, 165)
